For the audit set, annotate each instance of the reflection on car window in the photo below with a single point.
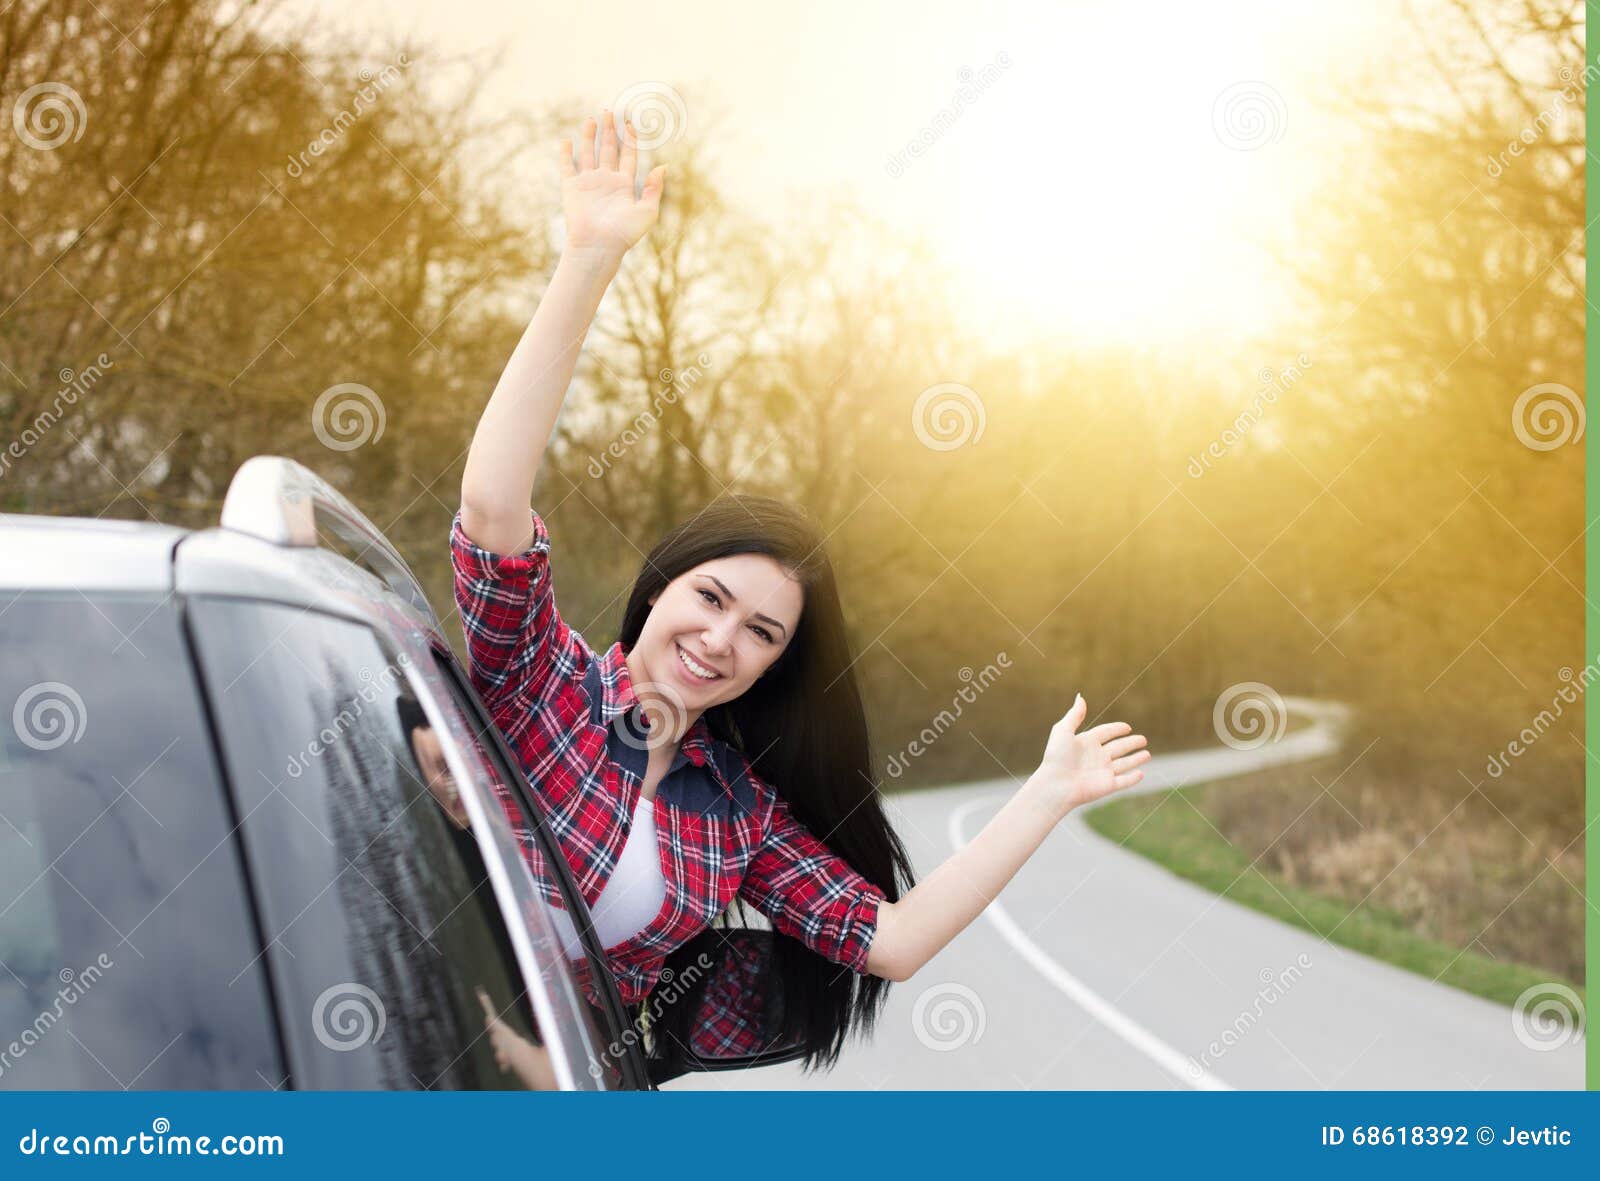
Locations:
(128, 955)
(399, 971)
(489, 768)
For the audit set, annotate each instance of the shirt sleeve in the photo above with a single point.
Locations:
(517, 642)
(811, 893)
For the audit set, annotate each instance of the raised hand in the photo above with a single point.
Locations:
(603, 215)
(1082, 768)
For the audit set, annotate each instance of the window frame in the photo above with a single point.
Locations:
(636, 1068)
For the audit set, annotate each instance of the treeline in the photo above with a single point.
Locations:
(289, 246)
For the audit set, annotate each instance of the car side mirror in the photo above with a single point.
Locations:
(719, 1006)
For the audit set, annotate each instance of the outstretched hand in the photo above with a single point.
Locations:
(1082, 768)
(603, 215)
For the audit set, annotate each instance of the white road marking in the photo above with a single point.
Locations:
(1177, 1064)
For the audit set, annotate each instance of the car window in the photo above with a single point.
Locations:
(396, 966)
(128, 952)
(529, 841)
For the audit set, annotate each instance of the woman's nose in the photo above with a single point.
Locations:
(719, 639)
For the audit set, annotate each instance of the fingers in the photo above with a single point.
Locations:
(1127, 780)
(654, 184)
(488, 1009)
(1122, 746)
(1107, 730)
(1129, 762)
(628, 165)
(586, 145)
(608, 141)
(564, 158)
(1073, 718)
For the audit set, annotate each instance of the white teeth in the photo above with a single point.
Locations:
(699, 670)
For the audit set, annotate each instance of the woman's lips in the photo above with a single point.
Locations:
(688, 673)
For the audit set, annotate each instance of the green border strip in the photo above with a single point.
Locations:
(1591, 566)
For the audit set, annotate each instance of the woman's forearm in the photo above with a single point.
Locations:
(517, 424)
(911, 931)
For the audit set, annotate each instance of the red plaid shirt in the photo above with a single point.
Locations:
(723, 832)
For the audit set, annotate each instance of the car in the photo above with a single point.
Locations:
(257, 830)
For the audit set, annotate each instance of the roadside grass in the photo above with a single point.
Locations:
(1440, 914)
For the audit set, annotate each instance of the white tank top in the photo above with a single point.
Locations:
(633, 894)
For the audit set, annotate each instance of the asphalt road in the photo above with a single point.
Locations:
(1098, 969)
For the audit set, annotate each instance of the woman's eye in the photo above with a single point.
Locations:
(710, 597)
(763, 633)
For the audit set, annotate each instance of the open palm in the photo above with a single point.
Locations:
(597, 192)
(1089, 766)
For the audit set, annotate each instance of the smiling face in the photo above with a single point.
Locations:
(730, 617)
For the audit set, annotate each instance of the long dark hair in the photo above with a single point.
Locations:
(803, 729)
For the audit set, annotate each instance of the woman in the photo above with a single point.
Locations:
(724, 728)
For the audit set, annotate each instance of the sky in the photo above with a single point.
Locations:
(1108, 173)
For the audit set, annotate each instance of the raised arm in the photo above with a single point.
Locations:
(1077, 769)
(604, 219)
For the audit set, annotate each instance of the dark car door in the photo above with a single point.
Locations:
(129, 954)
(393, 963)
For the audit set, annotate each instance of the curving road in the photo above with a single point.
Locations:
(1099, 969)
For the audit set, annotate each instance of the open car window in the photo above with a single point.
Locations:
(542, 886)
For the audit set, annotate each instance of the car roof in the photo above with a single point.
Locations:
(85, 553)
(272, 546)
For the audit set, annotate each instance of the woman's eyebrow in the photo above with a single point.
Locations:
(733, 598)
